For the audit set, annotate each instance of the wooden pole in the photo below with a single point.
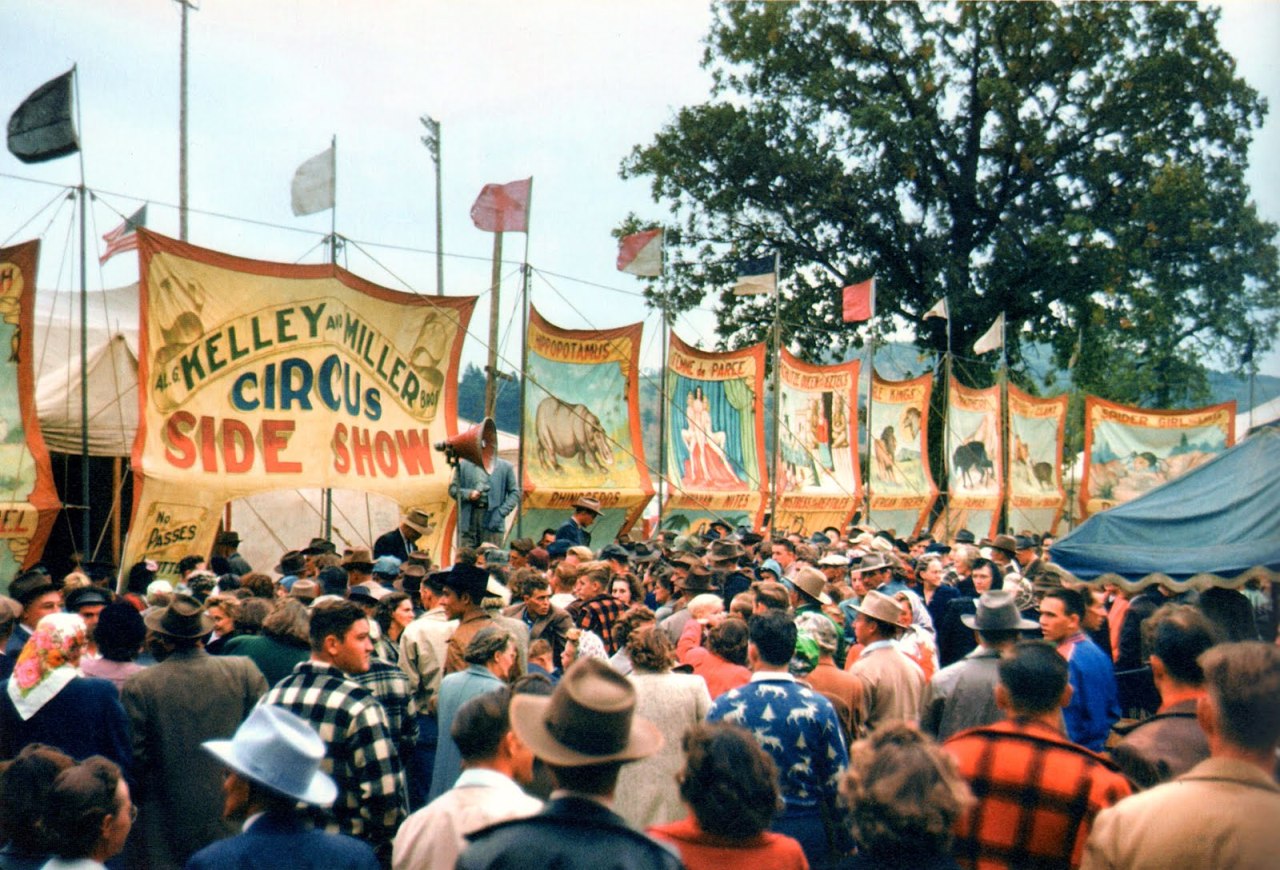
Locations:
(491, 373)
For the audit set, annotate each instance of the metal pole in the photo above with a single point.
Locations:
(432, 141)
(663, 398)
(524, 366)
(777, 392)
(85, 531)
(495, 285)
(182, 127)
(327, 495)
(871, 432)
(946, 421)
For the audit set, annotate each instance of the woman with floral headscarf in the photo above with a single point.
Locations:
(48, 700)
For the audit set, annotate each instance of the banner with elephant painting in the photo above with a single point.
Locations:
(973, 449)
(28, 499)
(582, 427)
(716, 466)
(1035, 491)
(818, 476)
(1129, 451)
(257, 376)
(900, 488)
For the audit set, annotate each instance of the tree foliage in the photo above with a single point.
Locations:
(1079, 167)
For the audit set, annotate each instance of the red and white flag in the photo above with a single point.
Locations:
(125, 236)
(641, 253)
(859, 301)
(503, 208)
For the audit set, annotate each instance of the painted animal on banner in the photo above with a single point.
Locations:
(886, 455)
(568, 430)
(970, 457)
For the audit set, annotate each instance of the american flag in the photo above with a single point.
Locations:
(125, 236)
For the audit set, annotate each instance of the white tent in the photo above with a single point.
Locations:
(1261, 415)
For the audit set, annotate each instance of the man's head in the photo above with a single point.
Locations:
(465, 586)
(593, 581)
(1242, 710)
(874, 570)
(87, 602)
(585, 511)
(880, 617)
(1033, 680)
(37, 594)
(482, 731)
(1177, 635)
(771, 595)
(1061, 614)
(340, 636)
(432, 590)
(772, 639)
(537, 598)
(784, 552)
(930, 573)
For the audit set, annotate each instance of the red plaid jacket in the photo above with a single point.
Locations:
(598, 615)
(1037, 796)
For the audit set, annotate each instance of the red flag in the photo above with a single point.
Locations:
(503, 208)
(859, 301)
(125, 236)
(641, 253)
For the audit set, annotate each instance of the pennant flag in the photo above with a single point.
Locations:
(859, 302)
(939, 309)
(503, 208)
(993, 339)
(1246, 356)
(756, 276)
(125, 236)
(41, 128)
(641, 253)
(313, 184)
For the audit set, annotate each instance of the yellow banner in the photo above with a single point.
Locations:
(901, 491)
(1036, 496)
(257, 376)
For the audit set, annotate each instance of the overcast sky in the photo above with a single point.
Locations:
(557, 89)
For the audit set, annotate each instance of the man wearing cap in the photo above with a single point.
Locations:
(273, 764)
(723, 558)
(39, 596)
(174, 706)
(227, 545)
(87, 602)
(575, 529)
(585, 731)
(963, 694)
(1029, 562)
(465, 587)
(892, 683)
(399, 542)
(695, 581)
(808, 596)
(1003, 549)
(484, 499)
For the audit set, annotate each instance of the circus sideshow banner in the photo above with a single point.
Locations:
(818, 476)
(28, 499)
(582, 425)
(974, 444)
(257, 376)
(1036, 496)
(1129, 451)
(715, 437)
(901, 491)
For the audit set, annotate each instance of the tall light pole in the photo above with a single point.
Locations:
(432, 141)
(186, 5)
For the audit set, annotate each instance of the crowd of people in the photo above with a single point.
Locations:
(708, 700)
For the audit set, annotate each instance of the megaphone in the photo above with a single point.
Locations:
(478, 445)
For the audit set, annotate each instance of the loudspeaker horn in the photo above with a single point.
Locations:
(478, 445)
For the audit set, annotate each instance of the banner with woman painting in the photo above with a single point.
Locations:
(973, 449)
(1036, 496)
(818, 476)
(1129, 451)
(716, 464)
(582, 425)
(900, 489)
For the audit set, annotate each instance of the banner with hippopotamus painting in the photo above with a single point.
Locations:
(818, 472)
(28, 498)
(1129, 451)
(1036, 496)
(900, 489)
(974, 444)
(716, 465)
(582, 427)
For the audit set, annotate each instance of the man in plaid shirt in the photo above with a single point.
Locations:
(596, 610)
(361, 753)
(1037, 792)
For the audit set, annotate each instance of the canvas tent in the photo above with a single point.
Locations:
(1218, 523)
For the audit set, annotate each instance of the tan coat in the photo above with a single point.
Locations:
(1223, 813)
(892, 687)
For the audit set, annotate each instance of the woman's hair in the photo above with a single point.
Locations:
(289, 621)
(386, 607)
(82, 796)
(729, 782)
(259, 585)
(25, 784)
(230, 605)
(729, 640)
(252, 613)
(119, 632)
(997, 576)
(488, 642)
(904, 793)
(637, 594)
(633, 619)
(650, 649)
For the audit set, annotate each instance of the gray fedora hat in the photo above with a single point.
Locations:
(279, 750)
(997, 610)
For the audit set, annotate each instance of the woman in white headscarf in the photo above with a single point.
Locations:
(48, 700)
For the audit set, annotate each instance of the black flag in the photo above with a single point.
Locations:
(41, 128)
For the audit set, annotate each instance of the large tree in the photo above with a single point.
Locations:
(1079, 167)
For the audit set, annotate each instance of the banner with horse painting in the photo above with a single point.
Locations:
(974, 444)
(582, 426)
(900, 489)
(1129, 451)
(715, 457)
(1036, 496)
(818, 474)
(257, 376)
(28, 499)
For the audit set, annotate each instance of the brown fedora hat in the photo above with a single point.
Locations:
(697, 580)
(586, 503)
(360, 558)
(589, 719)
(725, 551)
(1005, 544)
(183, 617)
(811, 582)
(880, 607)
(419, 520)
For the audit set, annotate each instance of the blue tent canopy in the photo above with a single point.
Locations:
(1221, 518)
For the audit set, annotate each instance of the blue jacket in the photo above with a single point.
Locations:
(1094, 706)
(500, 487)
(278, 840)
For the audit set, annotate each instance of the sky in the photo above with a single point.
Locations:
(559, 90)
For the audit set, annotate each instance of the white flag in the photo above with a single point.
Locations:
(993, 339)
(313, 184)
(939, 309)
